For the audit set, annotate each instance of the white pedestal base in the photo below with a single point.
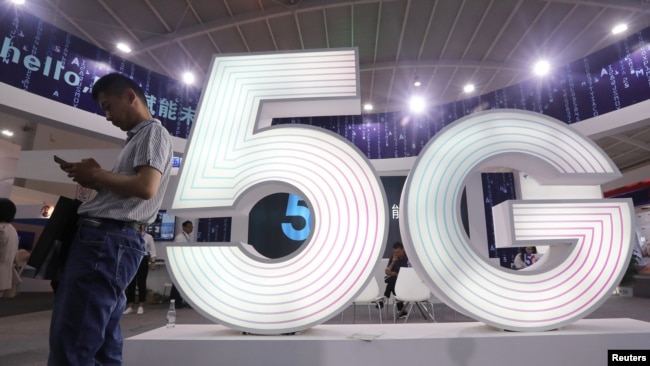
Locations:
(583, 343)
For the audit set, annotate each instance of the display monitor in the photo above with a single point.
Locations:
(278, 224)
(163, 228)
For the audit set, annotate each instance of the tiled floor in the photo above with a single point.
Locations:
(23, 338)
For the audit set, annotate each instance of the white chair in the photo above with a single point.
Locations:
(369, 296)
(410, 290)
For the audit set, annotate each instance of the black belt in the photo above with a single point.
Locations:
(97, 222)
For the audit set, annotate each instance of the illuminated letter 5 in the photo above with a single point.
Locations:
(233, 159)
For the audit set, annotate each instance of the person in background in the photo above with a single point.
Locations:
(22, 256)
(184, 237)
(107, 247)
(140, 280)
(645, 250)
(397, 261)
(526, 257)
(8, 244)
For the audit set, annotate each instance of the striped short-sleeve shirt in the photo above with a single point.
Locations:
(149, 144)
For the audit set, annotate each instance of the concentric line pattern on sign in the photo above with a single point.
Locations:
(538, 300)
(227, 158)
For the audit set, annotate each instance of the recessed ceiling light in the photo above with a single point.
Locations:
(19, 2)
(367, 107)
(417, 104)
(542, 68)
(188, 78)
(620, 28)
(8, 133)
(468, 88)
(123, 47)
(416, 81)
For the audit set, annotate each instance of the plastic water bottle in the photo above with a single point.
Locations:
(171, 314)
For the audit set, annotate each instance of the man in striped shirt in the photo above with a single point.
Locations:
(107, 247)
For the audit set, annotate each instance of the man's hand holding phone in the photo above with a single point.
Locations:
(59, 161)
(82, 172)
(64, 165)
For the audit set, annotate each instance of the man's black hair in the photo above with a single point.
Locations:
(398, 244)
(115, 83)
(7, 210)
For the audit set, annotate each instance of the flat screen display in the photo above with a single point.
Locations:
(278, 224)
(163, 227)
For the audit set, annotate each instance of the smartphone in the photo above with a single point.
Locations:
(59, 160)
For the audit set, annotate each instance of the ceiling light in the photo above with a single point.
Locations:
(8, 133)
(542, 68)
(123, 47)
(19, 2)
(188, 78)
(367, 107)
(416, 81)
(620, 28)
(468, 88)
(417, 104)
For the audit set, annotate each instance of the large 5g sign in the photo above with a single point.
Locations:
(233, 159)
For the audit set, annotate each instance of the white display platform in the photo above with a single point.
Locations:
(583, 343)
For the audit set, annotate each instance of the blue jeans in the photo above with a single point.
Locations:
(85, 329)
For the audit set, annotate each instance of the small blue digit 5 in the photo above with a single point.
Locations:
(293, 209)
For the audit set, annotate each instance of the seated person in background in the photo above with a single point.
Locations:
(398, 261)
(645, 259)
(526, 257)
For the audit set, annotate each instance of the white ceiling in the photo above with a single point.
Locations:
(445, 43)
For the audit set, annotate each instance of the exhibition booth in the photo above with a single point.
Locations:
(302, 196)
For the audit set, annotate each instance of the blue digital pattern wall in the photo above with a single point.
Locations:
(44, 60)
(497, 187)
(215, 229)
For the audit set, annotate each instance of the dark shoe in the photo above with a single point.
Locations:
(402, 314)
(379, 303)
